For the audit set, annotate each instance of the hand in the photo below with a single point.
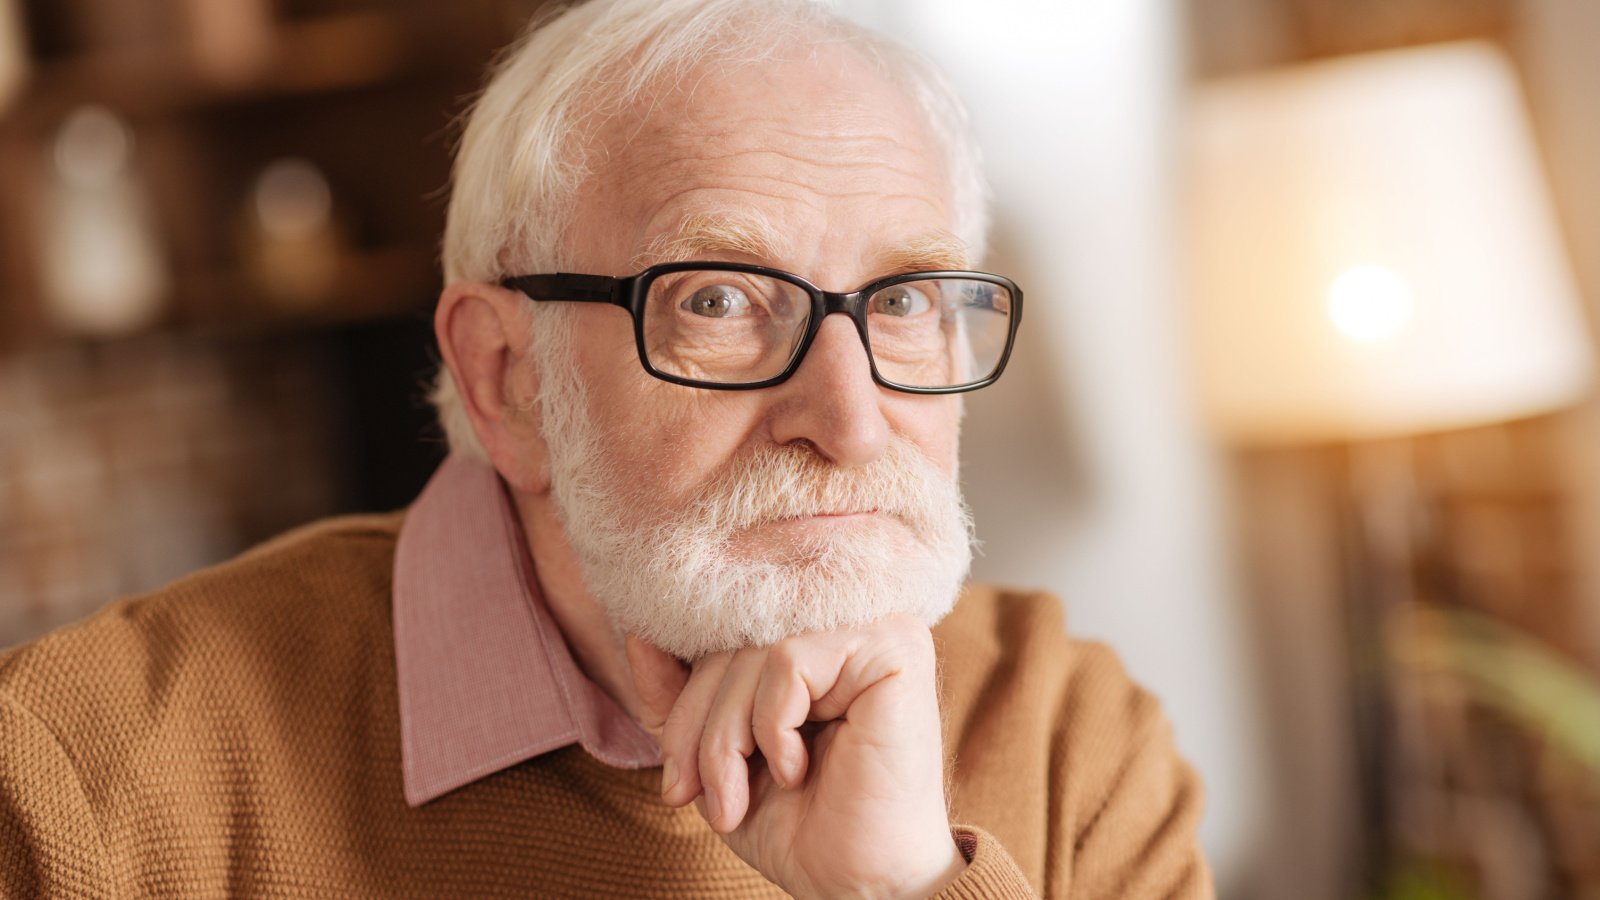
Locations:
(846, 796)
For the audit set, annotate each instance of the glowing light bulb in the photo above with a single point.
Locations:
(1369, 303)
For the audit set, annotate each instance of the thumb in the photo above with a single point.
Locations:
(658, 678)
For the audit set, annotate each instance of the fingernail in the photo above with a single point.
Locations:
(669, 777)
(713, 806)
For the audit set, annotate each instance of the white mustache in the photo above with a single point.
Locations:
(788, 482)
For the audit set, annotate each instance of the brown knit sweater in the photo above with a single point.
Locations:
(236, 734)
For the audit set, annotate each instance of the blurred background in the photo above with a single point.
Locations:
(1301, 421)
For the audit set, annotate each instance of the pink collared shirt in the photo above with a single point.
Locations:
(485, 678)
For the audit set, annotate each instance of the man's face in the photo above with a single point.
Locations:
(822, 168)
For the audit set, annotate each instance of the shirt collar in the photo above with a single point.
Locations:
(485, 679)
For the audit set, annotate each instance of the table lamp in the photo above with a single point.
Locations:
(1375, 252)
(1374, 255)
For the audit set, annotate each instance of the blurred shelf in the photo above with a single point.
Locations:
(372, 285)
(395, 281)
(363, 90)
(301, 57)
(337, 52)
(169, 426)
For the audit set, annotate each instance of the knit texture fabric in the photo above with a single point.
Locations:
(235, 734)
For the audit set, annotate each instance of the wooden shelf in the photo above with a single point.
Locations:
(151, 81)
(363, 91)
(378, 283)
(301, 57)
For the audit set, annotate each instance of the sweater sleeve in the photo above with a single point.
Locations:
(991, 874)
(50, 843)
(1137, 803)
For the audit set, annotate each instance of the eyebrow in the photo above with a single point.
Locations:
(700, 234)
(932, 251)
(751, 234)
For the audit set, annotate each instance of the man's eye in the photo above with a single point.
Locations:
(900, 300)
(718, 301)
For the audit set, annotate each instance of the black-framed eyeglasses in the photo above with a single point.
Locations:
(731, 326)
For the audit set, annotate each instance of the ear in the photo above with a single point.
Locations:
(483, 337)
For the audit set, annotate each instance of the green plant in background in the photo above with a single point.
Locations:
(1477, 663)
(1510, 673)
(1415, 878)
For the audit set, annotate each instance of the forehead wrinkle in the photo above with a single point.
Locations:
(811, 145)
(745, 232)
(823, 176)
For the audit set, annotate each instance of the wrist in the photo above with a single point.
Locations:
(945, 868)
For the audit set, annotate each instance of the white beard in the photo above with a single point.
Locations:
(685, 584)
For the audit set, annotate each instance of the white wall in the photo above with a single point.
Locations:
(1085, 467)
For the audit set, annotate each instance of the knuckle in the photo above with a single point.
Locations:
(902, 624)
(921, 640)
(721, 744)
(909, 629)
(764, 723)
(785, 655)
(711, 666)
(715, 757)
(678, 730)
(910, 644)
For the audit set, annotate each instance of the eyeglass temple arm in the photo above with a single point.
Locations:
(566, 286)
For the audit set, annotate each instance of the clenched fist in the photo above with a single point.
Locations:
(817, 759)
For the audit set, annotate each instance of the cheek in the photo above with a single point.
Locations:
(605, 348)
(934, 425)
(668, 439)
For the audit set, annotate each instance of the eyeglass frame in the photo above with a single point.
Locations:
(631, 292)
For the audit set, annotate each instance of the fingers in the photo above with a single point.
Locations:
(658, 678)
(727, 741)
(782, 705)
(879, 674)
(732, 704)
(680, 735)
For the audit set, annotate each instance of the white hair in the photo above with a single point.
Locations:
(520, 162)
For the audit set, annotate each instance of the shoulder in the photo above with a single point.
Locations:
(1061, 755)
(1009, 650)
(1006, 636)
(209, 634)
(329, 556)
(988, 620)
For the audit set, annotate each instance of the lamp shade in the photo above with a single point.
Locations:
(1374, 251)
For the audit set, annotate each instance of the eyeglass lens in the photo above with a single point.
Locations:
(739, 328)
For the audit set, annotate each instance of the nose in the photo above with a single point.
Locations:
(831, 401)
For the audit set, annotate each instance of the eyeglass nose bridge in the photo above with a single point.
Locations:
(853, 305)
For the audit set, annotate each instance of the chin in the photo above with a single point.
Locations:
(691, 604)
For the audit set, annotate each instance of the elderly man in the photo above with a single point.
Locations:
(682, 615)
